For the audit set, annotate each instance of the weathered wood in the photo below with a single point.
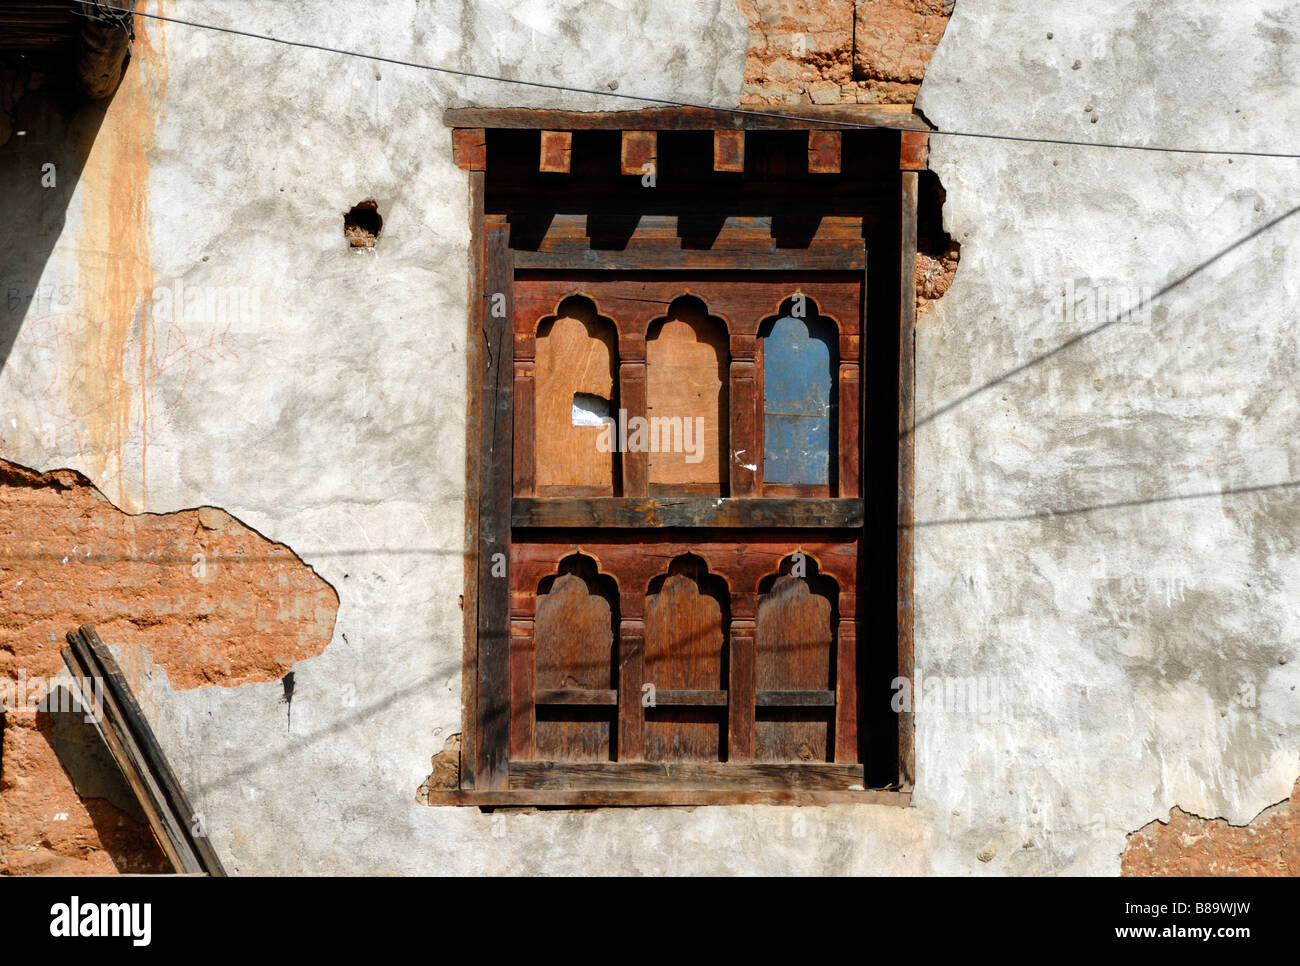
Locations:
(523, 722)
(135, 748)
(493, 739)
(793, 642)
(574, 651)
(742, 697)
(469, 149)
(803, 117)
(475, 367)
(914, 151)
(631, 676)
(103, 46)
(525, 431)
(729, 512)
(632, 383)
(670, 256)
(849, 448)
(823, 152)
(638, 153)
(667, 795)
(686, 397)
(906, 391)
(557, 149)
(796, 699)
(744, 442)
(685, 774)
(729, 151)
(596, 698)
(684, 635)
(847, 747)
(668, 698)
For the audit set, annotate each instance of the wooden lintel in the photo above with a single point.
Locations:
(557, 149)
(638, 150)
(729, 151)
(469, 148)
(805, 117)
(639, 512)
(823, 152)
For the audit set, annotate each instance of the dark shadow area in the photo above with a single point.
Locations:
(51, 127)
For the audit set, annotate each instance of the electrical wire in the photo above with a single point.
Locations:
(744, 112)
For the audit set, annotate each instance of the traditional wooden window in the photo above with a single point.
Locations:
(688, 565)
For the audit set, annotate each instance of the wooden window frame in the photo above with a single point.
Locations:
(490, 502)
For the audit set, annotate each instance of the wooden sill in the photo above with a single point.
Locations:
(611, 798)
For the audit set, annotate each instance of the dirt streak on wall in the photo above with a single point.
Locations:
(116, 275)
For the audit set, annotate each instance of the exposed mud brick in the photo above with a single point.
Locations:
(895, 39)
(214, 602)
(1188, 845)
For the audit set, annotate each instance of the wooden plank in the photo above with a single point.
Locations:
(698, 775)
(804, 117)
(846, 692)
(744, 442)
(670, 256)
(469, 148)
(796, 699)
(476, 366)
(665, 796)
(588, 697)
(135, 748)
(743, 685)
(729, 151)
(849, 473)
(576, 355)
(686, 698)
(523, 722)
(906, 422)
(823, 152)
(794, 639)
(686, 397)
(914, 151)
(631, 676)
(729, 512)
(525, 432)
(574, 648)
(632, 389)
(638, 149)
(493, 739)
(557, 149)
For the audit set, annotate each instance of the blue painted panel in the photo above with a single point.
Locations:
(797, 381)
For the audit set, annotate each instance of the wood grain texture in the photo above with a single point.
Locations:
(794, 653)
(574, 649)
(803, 117)
(653, 513)
(686, 398)
(684, 638)
(469, 149)
(906, 417)
(824, 152)
(697, 775)
(557, 147)
(639, 149)
(575, 360)
(729, 151)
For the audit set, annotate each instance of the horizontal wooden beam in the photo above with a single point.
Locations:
(663, 797)
(805, 117)
(670, 256)
(796, 699)
(689, 699)
(639, 512)
(583, 697)
(697, 775)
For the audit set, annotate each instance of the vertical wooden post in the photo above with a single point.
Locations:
(523, 675)
(847, 740)
(744, 404)
(476, 364)
(742, 691)
(631, 675)
(525, 428)
(632, 400)
(849, 443)
(493, 745)
(906, 425)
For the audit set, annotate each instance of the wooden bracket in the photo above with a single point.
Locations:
(469, 148)
(557, 150)
(823, 152)
(639, 148)
(729, 151)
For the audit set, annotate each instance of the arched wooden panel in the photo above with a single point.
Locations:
(575, 365)
(795, 649)
(798, 381)
(684, 636)
(686, 400)
(573, 643)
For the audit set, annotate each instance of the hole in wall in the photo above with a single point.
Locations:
(937, 253)
(363, 224)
